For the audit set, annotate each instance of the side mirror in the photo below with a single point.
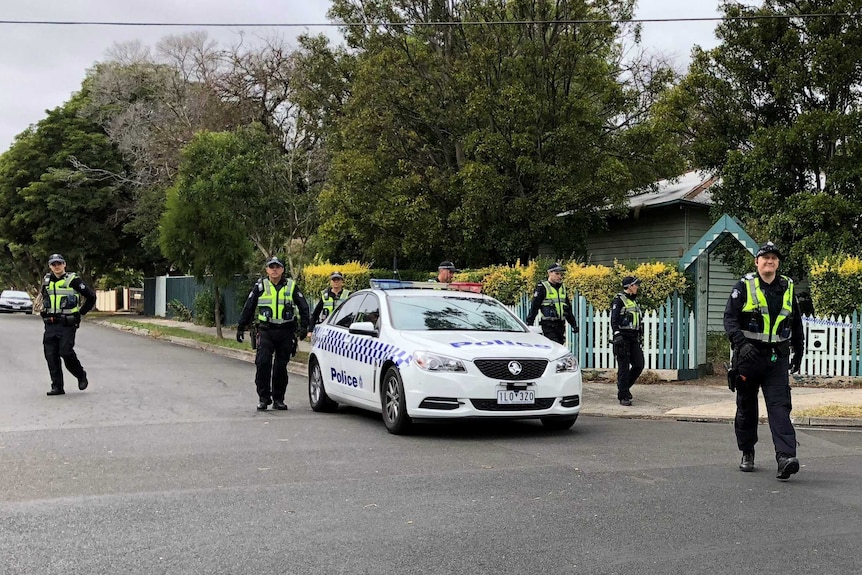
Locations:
(536, 329)
(363, 328)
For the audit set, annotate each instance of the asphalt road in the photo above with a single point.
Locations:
(164, 466)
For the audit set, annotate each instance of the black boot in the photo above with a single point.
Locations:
(787, 466)
(747, 463)
(56, 390)
(83, 383)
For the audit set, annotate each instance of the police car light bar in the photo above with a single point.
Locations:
(399, 284)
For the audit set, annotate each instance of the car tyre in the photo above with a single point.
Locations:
(394, 404)
(559, 423)
(318, 399)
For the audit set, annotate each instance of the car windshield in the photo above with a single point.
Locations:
(15, 294)
(426, 313)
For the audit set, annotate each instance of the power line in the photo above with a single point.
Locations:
(416, 24)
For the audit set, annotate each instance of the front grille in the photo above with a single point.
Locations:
(444, 403)
(492, 405)
(531, 369)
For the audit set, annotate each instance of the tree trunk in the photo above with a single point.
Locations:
(217, 312)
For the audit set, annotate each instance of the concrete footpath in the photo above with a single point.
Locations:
(689, 401)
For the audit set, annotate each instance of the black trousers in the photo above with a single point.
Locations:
(59, 343)
(554, 330)
(772, 377)
(271, 380)
(630, 365)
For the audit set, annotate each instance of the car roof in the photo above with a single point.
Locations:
(14, 292)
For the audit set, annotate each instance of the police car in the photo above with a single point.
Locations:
(424, 351)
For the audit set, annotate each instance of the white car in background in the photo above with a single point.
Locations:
(420, 351)
(13, 301)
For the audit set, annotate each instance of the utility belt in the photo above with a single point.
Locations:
(267, 326)
(551, 320)
(780, 348)
(65, 320)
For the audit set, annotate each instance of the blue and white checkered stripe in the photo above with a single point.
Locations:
(361, 349)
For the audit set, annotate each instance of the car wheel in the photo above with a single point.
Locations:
(558, 423)
(317, 397)
(394, 403)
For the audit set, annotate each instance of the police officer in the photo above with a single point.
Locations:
(627, 330)
(330, 298)
(445, 272)
(61, 312)
(281, 311)
(551, 299)
(763, 323)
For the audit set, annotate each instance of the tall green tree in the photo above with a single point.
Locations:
(236, 192)
(200, 231)
(47, 206)
(776, 111)
(467, 141)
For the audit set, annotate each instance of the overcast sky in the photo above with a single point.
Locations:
(41, 66)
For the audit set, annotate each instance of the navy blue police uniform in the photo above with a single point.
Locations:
(627, 331)
(551, 300)
(281, 313)
(62, 309)
(764, 325)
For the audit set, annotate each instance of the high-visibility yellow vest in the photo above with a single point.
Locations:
(554, 302)
(62, 299)
(275, 305)
(632, 312)
(330, 303)
(758, 310)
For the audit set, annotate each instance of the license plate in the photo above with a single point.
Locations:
(16, 307)
(516, 397)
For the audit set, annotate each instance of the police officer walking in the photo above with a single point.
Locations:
(551, 300)
(330, 298)
(61, 312)
(763, 323)
(627, 330)
(280, 310)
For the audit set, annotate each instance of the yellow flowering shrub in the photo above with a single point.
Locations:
(835, 284)
(505, 283)
(599, 284)
(315, 277)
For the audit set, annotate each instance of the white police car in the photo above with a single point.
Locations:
(415, 351)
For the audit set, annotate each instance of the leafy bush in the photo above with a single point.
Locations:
(834, 284)
(506, 283)
(179, 311)
(599, 284)
(205, 308)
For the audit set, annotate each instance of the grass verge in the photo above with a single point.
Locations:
(164, 332)
(831, 411)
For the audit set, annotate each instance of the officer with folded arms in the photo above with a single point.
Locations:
(62, 310)
(280, 310)
(551, 299)
(764, 325)
(627, 329)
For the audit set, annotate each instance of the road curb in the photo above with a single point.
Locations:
(295, 368)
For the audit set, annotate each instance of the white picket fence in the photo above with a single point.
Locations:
(669, 335)
(832, 346)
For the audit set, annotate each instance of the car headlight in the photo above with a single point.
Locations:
(567, 363)
(434, 362)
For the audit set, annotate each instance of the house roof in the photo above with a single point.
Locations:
(691, 188)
